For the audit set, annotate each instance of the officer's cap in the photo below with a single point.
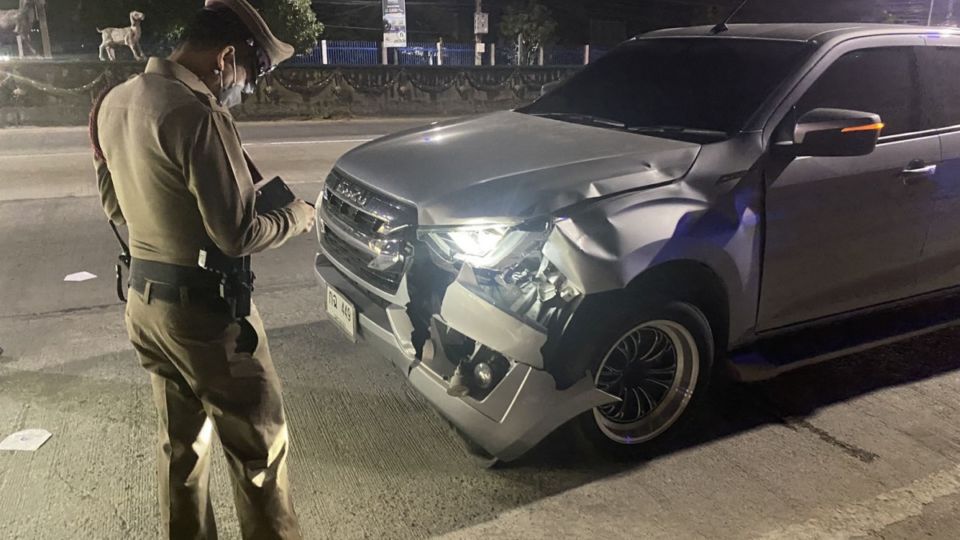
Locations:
(275, 49)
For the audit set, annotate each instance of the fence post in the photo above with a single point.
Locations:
(439, 53)
(384, 54)
(541, 55)
(493, 54)
(586, 54)
(323, 52)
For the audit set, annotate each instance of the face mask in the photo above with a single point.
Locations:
(231, 96)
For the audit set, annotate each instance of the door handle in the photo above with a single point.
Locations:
(917, 172)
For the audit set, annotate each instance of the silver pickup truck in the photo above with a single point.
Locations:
(700, 203)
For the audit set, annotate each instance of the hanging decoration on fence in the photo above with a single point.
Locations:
(377, 81)
(394, 23)
(306, 82)
(27, 87)
(15, 86)
(49, 89)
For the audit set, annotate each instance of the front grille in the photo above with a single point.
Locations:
(357, 215)
(364, 209)
(364, 223)
(357, 262)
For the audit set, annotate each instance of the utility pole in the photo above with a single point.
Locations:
(930, 16)
(41, 8)
(481, 27)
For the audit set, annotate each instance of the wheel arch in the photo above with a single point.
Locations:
(693, 282)
(684, 280)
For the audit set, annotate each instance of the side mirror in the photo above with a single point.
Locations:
(550, 87)
(836, 132)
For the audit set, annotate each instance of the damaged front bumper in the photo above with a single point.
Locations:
(523, 406)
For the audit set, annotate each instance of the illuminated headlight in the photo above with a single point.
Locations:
(466, 244)
(486, 246)
(478, 243)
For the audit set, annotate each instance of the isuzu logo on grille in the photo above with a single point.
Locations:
(355, 195)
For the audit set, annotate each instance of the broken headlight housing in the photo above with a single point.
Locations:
(505, 264)
(487, 246)
(469, 244)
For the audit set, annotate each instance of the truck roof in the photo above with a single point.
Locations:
(807, 32)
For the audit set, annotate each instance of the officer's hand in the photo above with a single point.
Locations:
(306, 214)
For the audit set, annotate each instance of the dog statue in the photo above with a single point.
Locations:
(122, 37)
(19, 22)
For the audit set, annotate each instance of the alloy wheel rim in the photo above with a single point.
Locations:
(653, 369)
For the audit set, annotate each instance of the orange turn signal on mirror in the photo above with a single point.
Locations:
(871, 127)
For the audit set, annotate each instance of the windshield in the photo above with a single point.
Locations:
(667, 87)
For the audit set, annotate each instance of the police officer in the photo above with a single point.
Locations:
(171, 167)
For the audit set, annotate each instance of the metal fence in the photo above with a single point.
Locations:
(417, 54)
(459, 54)
(563, 56)
(361, 53)
(597, 52)
(370, 53)
(353, 52)
(341, 53)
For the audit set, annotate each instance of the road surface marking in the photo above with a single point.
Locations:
(51, 154)
(874, 515)
(253, 144)
(334, 141)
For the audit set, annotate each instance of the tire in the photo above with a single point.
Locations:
(658, 358)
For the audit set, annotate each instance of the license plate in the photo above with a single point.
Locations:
(342, 312)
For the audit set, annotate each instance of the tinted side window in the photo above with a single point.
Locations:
(941, 81)
(881, 81)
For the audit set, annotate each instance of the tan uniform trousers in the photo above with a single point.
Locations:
(211, 373)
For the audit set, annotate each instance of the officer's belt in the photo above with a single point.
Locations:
(173, 283)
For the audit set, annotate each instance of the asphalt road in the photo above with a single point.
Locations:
(864, 447)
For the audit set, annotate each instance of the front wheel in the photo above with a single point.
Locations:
(658, 362)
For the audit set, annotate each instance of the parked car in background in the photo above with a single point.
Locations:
(696, 204)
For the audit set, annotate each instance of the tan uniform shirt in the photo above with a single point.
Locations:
(175, 171)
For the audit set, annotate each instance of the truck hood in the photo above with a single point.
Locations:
(507, 166)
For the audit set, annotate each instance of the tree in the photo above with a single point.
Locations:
(527, 25)
(73, 22)
(294, 21)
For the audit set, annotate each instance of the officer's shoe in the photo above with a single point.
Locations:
(458, 383)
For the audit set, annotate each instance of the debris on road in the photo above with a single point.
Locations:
(80, 276)
(28, 440)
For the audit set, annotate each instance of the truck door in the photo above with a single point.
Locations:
(939, 266)
(845, 233)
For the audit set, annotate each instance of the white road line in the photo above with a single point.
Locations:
(326, 141)
(874, 515)
(248, 145)
(48, 155)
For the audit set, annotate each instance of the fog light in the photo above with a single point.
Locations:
(483, 375)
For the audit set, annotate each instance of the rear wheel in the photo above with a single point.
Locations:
(658, 362)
